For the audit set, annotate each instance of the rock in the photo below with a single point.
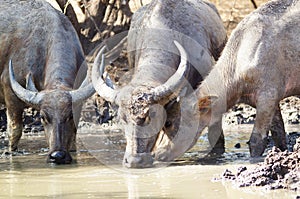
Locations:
(237, 145)
(297, 145)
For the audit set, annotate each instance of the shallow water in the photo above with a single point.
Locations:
(24, 179)
(98, 173)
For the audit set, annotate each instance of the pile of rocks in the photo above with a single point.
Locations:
(280, 170)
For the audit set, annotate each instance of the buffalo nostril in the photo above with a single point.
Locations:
(125, 161)
(58, 155)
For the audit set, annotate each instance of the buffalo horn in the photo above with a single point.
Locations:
(28, 96)
(30, 84)
(105, 91)
(83, 92)
(175, 82)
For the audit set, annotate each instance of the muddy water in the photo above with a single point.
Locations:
(98, 173)
(103, 182)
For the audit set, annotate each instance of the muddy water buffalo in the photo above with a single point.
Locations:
(162, 68)
(260, 65)
(40, 57)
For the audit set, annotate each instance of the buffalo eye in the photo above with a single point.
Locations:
(168, 124)
(140, 121)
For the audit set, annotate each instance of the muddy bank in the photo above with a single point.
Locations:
(279, 170)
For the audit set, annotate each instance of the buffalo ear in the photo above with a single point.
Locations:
(30, 84)
(205, 103)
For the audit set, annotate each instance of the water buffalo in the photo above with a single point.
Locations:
(40, 50)
(162, 68)
(260, 65)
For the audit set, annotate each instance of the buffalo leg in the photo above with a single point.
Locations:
(216, 138)
(14, 117)
(278, 131)
(266, 105)
(14, 127)
(73, 147)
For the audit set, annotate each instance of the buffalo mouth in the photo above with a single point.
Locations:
(59, 157)
(138, 153)
(139, 160)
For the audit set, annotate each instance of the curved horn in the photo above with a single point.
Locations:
(28, 96)
(100, 86)
(30, 84)
(175, 82)
(82, 93)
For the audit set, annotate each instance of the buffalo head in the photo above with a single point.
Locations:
(56, 108)
(141, 108)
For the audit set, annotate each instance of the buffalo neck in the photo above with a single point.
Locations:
(223, 82)
(64, 59)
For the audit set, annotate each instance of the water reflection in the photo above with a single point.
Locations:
(101, 182)
(83, 181)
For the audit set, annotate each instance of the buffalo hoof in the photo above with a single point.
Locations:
(216, 153)
(60, 157)
(257, 145)
(140, 160)
(13, 148)
(217, 150)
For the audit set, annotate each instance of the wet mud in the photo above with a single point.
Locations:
(279, 170)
